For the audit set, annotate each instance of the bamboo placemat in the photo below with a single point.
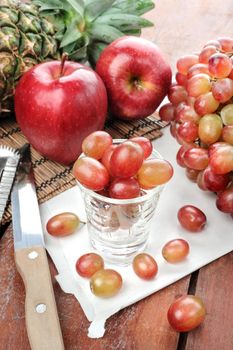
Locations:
(52, 178)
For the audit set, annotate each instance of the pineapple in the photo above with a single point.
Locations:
(38, 30)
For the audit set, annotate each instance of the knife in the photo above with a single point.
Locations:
(42, 320)
(9, 159)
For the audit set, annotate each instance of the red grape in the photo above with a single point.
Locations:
(196, 158)
(215, 43)
(167, 112)
(201, 182)
(180, 154)
(186, 313)
(222, 90)
(88, 264)
(185, 62)
(226, 44)
(198, 84)
(105, 283)
(180, 107)
(62, 224)
(126, 159)
(145, 266)
(187, 114)
(181, 79)
(175, 250)
(191, 218)
(205, 104)
(227, 114)
(192, 174)
(227, 134)
(188, 131)
(212, 148)
(144, 143)
(210, 128)
(177, 94)
(95, 144)
(220, 65)
(214, 182)
(154, 172)
(197, 69)
(173, 127)
(230, 76)
(206, 52)
(224, 201)
(124, 188)
(105, 160)
(221, 159)
(91, 173)
(190, 101)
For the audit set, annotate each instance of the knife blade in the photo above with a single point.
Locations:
(9, 159)
(41, 315)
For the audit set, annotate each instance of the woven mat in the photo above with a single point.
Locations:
(52, 178)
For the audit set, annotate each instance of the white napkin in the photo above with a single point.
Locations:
(214, 241)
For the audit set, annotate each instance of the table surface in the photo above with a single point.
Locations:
(181, 27)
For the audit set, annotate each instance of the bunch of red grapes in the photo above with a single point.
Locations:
(201, 115)
(120, 171)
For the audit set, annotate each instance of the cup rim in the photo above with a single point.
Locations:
(149, 193)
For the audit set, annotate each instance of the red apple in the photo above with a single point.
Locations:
(136, 77)
(57, 105)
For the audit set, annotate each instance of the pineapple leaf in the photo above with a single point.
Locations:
(79, 52)
(124, 22)
(57, 21)
(134, 7)
(135, 32)
(78, 5)
(94, 52)
(45, 5)
(72, 34)
(94, 8)
(105, 33)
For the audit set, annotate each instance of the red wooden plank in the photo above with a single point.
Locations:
(215, 287)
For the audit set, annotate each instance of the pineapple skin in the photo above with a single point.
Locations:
(25, 40)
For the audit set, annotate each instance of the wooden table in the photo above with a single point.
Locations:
(181, 27)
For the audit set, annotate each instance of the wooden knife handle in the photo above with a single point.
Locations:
(42, 321)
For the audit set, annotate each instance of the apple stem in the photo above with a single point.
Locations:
(64, 57)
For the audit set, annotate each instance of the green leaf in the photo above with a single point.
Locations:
(94, 51)
(56, 19)
(124, 22)
(135, 7)
(78, 5)
(69, 48)
(45, 5)
(94, 8)
(72, 34)
(105, 33)
(43, 2)
(59, 35)
(135, 32)
(79, 52)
